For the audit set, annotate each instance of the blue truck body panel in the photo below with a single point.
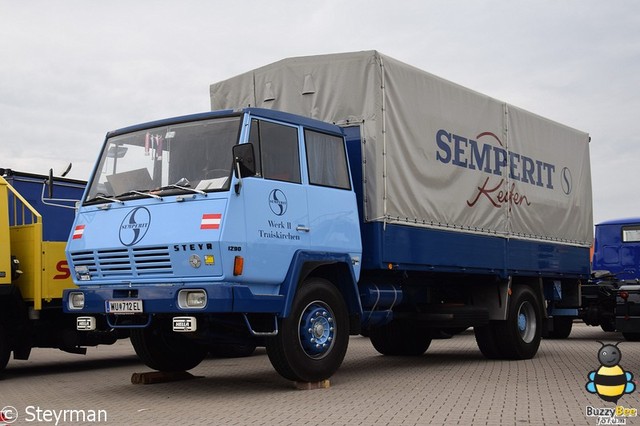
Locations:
(612, 299)
(57, 220)
(440, 251)
(617, 248)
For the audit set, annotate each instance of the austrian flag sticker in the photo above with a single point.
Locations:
(77, 233)
(211, 221)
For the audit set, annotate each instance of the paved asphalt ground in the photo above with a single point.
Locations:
(451, 384)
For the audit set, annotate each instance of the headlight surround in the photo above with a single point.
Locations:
(192, 299)
(76, 300)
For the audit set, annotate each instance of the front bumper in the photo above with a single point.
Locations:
(163, 299)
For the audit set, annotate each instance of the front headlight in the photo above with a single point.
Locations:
(76, 300)
(192, 299)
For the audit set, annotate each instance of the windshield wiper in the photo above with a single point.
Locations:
(105, 197)
(184, 185)
(144, 193)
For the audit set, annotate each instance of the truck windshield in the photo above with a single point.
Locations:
(175, 158)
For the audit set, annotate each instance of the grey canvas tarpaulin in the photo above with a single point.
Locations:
(436, 154)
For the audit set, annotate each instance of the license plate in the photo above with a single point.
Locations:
(124, 306)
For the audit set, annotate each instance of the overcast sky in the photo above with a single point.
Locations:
(72, 70)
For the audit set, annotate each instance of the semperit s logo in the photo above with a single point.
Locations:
(277, 202)
(567, 181)
(134, 226)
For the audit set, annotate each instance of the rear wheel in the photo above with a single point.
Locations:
(231, 350)
(631, 337)
(561, 327)
(5, 351)
(313, 339)
(521, 331)
(400, 338)
(166, 351)
(608, 326)
(487, 341)
(518, 337)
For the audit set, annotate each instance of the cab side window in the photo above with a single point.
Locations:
(278, 150)
(327, 160)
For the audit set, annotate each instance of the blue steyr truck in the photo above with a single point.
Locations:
(612, 298)
(328, 196)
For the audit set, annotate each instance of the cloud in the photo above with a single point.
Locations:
(72, 70)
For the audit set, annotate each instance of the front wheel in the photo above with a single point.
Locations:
(166, 351)
(313, 339)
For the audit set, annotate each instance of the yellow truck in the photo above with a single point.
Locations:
(34, 227)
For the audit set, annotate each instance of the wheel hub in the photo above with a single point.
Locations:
(522, 322)
(317, 330)
(527, 322)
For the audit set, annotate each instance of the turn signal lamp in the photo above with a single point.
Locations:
(238, 265)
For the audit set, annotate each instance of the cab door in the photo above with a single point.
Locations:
(277, 219)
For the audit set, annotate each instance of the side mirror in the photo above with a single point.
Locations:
(244, 163)
(244, 160)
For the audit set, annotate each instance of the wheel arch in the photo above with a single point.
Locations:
(536, 285)
(334, 267)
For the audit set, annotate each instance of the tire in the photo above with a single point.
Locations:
(5, 351)
(561, 327)
(231, 350)
(518, 337)
(521, 332)
(487, 341)
(400, 338)
(631, 337)
(608, 326)
(166, 351)
(313, 339)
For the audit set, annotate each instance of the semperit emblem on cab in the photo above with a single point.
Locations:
(277, 202)
(134, 226)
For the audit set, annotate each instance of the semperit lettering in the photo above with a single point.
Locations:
(474, 155)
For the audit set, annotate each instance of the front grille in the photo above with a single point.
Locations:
(125, 262)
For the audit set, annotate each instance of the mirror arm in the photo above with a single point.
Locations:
(238, 184)
(50, 183)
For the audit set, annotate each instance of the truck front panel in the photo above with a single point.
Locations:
(166, 218)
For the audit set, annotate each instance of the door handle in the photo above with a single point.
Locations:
(302, 228)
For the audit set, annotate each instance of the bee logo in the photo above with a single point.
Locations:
(610, 381)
